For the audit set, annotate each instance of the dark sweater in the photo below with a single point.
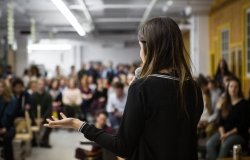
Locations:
(8, 112)
(237, 118)
(23, 99)
(45, 101)
(153, 125)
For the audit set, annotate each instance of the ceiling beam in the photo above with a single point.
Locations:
(117, 20)
(140, 6)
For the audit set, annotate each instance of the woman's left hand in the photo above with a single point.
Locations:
(65, 122)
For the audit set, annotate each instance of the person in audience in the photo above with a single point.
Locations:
(82, 71)
(215, 93)
(203, 124)
(72, 99)
(86, 94)
(91, 82)
(23, 98)
(58, 72)
(109, 73)
(101, 118)
(42, 98)
(7, 116)
(73, 73)
(32, 87)
(56, 96)
(63, 84)
(223, 92)
(100, 96)
(116, 104)
(92, 71)
(34, 72)
(222, 70)
(9, 72)
(233, 128)
(26, 78)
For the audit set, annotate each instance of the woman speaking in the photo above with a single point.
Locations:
(163, 106)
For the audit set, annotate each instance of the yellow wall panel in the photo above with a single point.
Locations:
(229, 14)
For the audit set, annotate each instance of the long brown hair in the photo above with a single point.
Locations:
(6, 96)
(164, 49)
(227, 100)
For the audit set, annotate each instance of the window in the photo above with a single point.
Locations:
(225, 45)
(248, 42)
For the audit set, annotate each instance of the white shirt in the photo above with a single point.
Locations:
(116, 103)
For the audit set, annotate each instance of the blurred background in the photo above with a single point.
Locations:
(52, 51)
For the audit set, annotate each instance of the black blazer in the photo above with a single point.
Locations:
(153, 125)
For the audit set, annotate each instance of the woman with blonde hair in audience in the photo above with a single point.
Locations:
(8, 108)
(233, 118)
(72, 99)
(86, 94)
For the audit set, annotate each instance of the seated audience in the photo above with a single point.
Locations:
(116, 104)
(32, 87)
(56, 96)
(7, 116)
(72, 99)
(42, 97)
(86, 94)
(222, 70)
(233, 127)
(100, 96)
(22, 97)
(204, 126)
(96, 151)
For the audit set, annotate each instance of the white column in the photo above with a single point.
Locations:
(200, 44)
(22, 54)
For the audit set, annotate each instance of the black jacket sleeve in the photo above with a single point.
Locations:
(124, 143)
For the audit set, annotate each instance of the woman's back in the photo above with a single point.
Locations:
(154, 127)
(168, 131)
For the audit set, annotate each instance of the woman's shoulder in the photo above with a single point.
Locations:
(242, 103)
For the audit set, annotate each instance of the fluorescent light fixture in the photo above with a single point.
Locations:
(170, 3)
(69, 16)
(49, 47)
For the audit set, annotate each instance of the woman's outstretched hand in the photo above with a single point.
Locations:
(65, 122)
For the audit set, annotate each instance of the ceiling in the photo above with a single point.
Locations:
(116, 16)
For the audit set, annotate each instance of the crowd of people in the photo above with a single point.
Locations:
(226, 117)
(82, 94)
(102, 90)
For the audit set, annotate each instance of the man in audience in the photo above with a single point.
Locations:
(109, 73)
(73, 73)
(22, 97)
(116, 104)
(42, 98)
(82, 71)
